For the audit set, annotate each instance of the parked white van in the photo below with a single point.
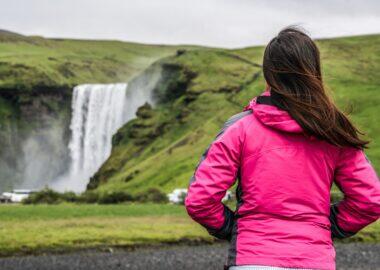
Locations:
(17, 195)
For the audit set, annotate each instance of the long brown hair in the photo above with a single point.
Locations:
(292, 70)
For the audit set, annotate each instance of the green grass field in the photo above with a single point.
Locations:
(66, 227)
(57, 228)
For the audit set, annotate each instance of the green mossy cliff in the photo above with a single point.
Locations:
(196, 92)
(199, 90)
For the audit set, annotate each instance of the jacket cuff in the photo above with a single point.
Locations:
(225, 231)
(336, 231)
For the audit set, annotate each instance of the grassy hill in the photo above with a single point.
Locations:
(200, 89)
(31, 62)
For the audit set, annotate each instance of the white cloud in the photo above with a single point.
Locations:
(224, 23)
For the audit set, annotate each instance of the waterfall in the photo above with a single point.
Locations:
(98, 111)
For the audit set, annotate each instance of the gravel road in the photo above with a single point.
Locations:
(349, 257)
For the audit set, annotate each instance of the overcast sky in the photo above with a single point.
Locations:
(223, 23)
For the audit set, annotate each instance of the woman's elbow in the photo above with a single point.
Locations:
(196, 206)
(188, 204)
(371, 205)
(193, 207)
(369, 208)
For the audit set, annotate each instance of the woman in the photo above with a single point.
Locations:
(286, 150)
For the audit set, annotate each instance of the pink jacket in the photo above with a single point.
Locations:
(283, 217)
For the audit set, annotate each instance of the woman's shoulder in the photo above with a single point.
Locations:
(238, 117)
(236, 126)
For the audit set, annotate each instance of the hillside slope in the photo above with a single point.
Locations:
(30, 62)
(200, 90)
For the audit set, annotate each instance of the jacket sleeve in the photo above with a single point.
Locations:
(360, 185)
(215, 174)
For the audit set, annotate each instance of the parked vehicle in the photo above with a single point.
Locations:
(178, 195)
(4, 199)
(228, 196)
(17, 195)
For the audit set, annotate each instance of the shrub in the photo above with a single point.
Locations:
(88, 197)
(152, 195)
(69, 196)
(46, 195)
(115, 197)
(50, 196)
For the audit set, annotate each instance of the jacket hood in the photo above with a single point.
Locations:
(274, 117)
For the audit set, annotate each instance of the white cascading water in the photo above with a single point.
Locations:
(98, 111)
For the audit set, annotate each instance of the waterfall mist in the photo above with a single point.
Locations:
(36, 150)
(44, 157)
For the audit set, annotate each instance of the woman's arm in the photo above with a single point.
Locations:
(358, 181)
(215, 174)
